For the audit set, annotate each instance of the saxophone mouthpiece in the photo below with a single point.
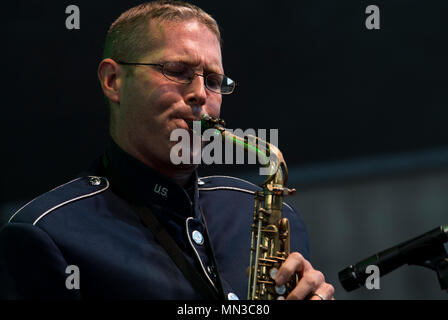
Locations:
(207, 122)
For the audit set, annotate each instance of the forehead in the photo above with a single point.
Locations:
(187, 41)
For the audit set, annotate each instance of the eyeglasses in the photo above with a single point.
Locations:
(181, 73)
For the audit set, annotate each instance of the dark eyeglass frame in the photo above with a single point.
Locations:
(162, 65)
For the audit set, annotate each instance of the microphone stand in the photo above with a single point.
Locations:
(427, 250)
(434, 257)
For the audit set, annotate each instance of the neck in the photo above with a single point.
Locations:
(180, 174)
(182, 178)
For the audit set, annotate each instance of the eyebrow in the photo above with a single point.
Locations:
(193, 62)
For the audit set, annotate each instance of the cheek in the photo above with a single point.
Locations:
(150, 105)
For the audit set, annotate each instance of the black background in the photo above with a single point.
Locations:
(334, 89)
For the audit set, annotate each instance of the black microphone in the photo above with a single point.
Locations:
(415, 251)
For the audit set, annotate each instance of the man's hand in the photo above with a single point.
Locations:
(311, 282)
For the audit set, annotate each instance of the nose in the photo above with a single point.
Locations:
(196, 94)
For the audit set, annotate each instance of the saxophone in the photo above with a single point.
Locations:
(270, 245)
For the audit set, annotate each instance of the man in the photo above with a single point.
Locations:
(137, 226)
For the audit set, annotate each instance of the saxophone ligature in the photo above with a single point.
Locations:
(270, 232)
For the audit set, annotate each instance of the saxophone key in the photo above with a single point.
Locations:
(280, 290)
(267, 260)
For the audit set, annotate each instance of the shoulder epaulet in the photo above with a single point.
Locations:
(211, 183)
(69, 192)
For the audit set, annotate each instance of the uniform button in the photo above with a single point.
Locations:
(95, 181)
(232, 296)
(198, 237)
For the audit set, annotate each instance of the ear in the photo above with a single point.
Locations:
(109, 74)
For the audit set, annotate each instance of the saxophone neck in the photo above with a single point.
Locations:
(272, 158)
(270, 155)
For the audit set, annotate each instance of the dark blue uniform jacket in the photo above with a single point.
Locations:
(88, 224)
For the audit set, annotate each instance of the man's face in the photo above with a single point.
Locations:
(152, 106)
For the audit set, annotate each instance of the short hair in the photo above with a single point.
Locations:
(127, 36)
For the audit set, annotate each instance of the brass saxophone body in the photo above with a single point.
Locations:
(270, 234)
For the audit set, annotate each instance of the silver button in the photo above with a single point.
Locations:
(198, 237)
(95, 181)
(232, 296)
(200, 182)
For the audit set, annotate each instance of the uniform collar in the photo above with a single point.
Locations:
(144, 184)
